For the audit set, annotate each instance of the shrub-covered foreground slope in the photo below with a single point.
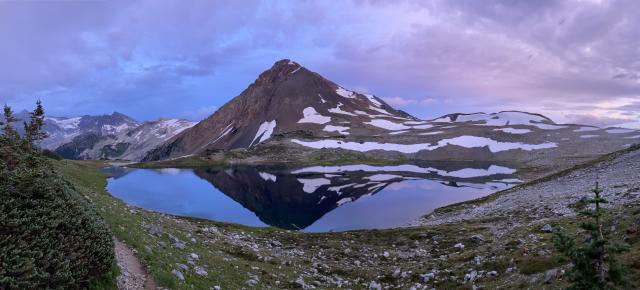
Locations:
(186, 253)
(50, 236)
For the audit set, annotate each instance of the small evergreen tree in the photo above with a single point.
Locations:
(34, 132)
(594, 261)
(9, 132)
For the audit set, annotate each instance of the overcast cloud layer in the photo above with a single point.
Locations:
(575, 61)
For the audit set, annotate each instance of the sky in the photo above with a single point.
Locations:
(576, 61)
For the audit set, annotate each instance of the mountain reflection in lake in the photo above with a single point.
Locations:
(314, 199)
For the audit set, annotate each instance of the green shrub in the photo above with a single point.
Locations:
(50, 236)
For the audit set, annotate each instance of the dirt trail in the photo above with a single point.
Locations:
(132, 276)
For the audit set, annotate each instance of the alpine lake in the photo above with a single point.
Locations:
(310, 199)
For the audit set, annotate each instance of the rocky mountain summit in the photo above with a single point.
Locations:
(287, 98)
(293, 114)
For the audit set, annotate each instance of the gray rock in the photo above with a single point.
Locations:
(470, 277)
(179, 245)
(459, 246)
(547, 228)
(375, 285)
(251, 282)
(156, 230)
(162, 244)
(492, 274)
(550, 275)
(477, 238)
(178, 274)
(183, 267)
(200, 271)
(427, 277)
(396, 273)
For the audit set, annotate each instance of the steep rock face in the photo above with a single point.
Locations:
(130, 144)
(285, 98)
(63, 130)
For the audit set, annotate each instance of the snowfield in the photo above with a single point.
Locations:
(345, 93)
(513, 130)
(462, 141)
(310, 115)
(339, 129)
(264, 132)
(388, 125)
(338, 110)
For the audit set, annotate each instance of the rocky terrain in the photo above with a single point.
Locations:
(130, 144)
(503, 241)
(555, 196)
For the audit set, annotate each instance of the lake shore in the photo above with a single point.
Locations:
(179, 251)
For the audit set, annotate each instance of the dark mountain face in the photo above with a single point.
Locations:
(286, 98)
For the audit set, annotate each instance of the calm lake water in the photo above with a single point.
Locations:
(313, 199)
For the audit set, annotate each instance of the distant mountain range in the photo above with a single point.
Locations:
(293, 114)
(114, 136)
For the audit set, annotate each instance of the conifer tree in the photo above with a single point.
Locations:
(34, 132)
(594, 261)
(9, 132)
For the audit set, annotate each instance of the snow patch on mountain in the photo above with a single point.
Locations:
(65, 123)
(338, 110)
(462, 141)
(264, 132)
(619, 131)
(345, 93)
(339, 129)
(310, 115)
(586, 129)
(388, 125)
(373, 100)
(513, 130)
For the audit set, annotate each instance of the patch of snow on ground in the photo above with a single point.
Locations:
(345, 93)
(310, 185)
(398, 132)
(267, 176)
(373, 100)
(388, 125)
(633, 137)
(513, 130)
(310, 115)
(432, 133)
(586, 129)
(463, 141)
(338, 110)
(321, 99)
(619, 131)
(265, 131)
(382, 111)
(425, 126)
(589, 136)
(339, 129)
(66, 124)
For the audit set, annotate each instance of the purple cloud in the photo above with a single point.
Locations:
(561, 58)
